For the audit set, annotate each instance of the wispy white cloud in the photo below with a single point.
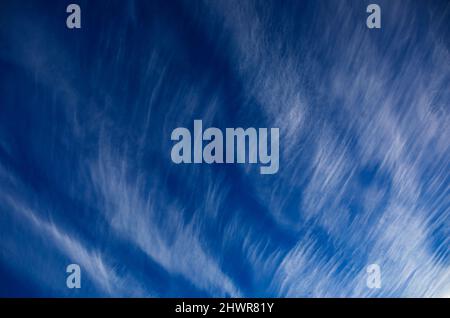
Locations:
(141, 211)
(390, 116)
(91, 261)
(370, 108)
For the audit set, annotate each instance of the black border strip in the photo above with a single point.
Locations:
(149, 306)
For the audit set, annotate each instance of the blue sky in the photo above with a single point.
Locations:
(85, 169)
